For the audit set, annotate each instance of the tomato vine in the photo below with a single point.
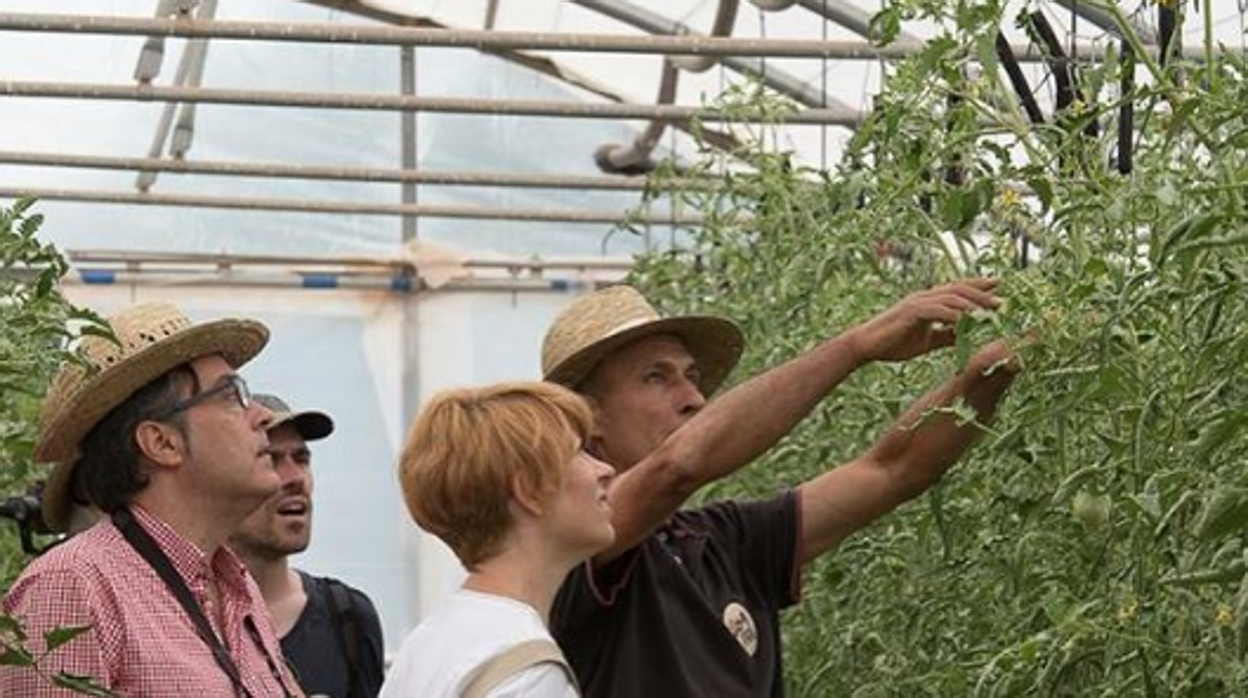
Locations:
(1093, 543)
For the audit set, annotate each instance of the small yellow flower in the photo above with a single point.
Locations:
(1224, 617)
(1011, 198)
(1127, 612)
(1078, 106)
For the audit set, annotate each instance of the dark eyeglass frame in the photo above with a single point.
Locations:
(242, 395)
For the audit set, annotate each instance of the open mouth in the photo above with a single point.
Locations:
(293, 507)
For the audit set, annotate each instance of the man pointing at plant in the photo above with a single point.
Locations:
(685, 603)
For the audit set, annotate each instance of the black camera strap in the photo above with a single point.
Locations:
(143, 544)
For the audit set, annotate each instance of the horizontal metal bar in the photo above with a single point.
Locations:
(479, 39)
(492, 40)
(376, 209)
(381, 102)
(142, 259)
(396, 283)
(346, 174)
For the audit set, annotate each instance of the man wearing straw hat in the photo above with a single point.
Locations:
(685, 603)
(161, 436)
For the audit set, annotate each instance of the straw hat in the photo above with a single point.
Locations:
(152, 339)
(311, 425)
(595, 325)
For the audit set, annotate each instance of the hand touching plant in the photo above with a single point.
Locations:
(922, 321)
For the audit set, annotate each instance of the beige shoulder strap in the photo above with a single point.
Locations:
(513, 660)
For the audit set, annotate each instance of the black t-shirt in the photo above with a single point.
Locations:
(692, 612)
(314, 646)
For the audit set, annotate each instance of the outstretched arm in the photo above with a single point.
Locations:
(747, 420)
(908, 459)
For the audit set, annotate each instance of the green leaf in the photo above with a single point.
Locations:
(10, 626)
(1190, 228)
(16, 656)
(59, 636)
(85, 685)
(884, 27)
(1231, 573)
(1225, 513)
(1218, 433)
(1167, 194)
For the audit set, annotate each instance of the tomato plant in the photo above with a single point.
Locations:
(36, 324)
(1093, 543)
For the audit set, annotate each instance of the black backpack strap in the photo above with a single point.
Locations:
(342, 611)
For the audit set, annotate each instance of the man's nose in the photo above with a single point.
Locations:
(691, 398)
(260, 415)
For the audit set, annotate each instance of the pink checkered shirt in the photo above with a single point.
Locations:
(142, 644)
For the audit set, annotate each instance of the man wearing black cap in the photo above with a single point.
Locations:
(329, 631)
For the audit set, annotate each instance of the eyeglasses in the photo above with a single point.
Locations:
(234, 383)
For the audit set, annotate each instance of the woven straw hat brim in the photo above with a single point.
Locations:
(715, 343)
(64, 427)
(311, 425)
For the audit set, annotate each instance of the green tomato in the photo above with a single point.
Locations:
(1091, 509)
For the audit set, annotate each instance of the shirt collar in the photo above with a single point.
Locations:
(188, 560)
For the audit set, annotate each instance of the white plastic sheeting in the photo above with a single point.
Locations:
(298, 136)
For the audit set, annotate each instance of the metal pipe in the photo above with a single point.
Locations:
(380, 102)
(1104, 20)
(1125, 159)
(190, 73)
(773, 5)
(481, 39)
(535, 264)
(849, 16)
(197, 51)
(146, 179)
(407, 135)
(781, 81)
(634, 158)
(397, 283)
(1065, 71)
(346, 174)
(486, 40)
(378, 209)
(491, 14)
(1018, 80)
(725, 18)
(1167, 27)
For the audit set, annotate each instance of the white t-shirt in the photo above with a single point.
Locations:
(440, 655)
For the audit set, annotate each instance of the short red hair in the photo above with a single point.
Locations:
(470, 447)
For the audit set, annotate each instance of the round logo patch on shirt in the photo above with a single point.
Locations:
(741, 624)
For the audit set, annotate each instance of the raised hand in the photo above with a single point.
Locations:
(922, 321)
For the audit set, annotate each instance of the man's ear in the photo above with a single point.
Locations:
(162, 444)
